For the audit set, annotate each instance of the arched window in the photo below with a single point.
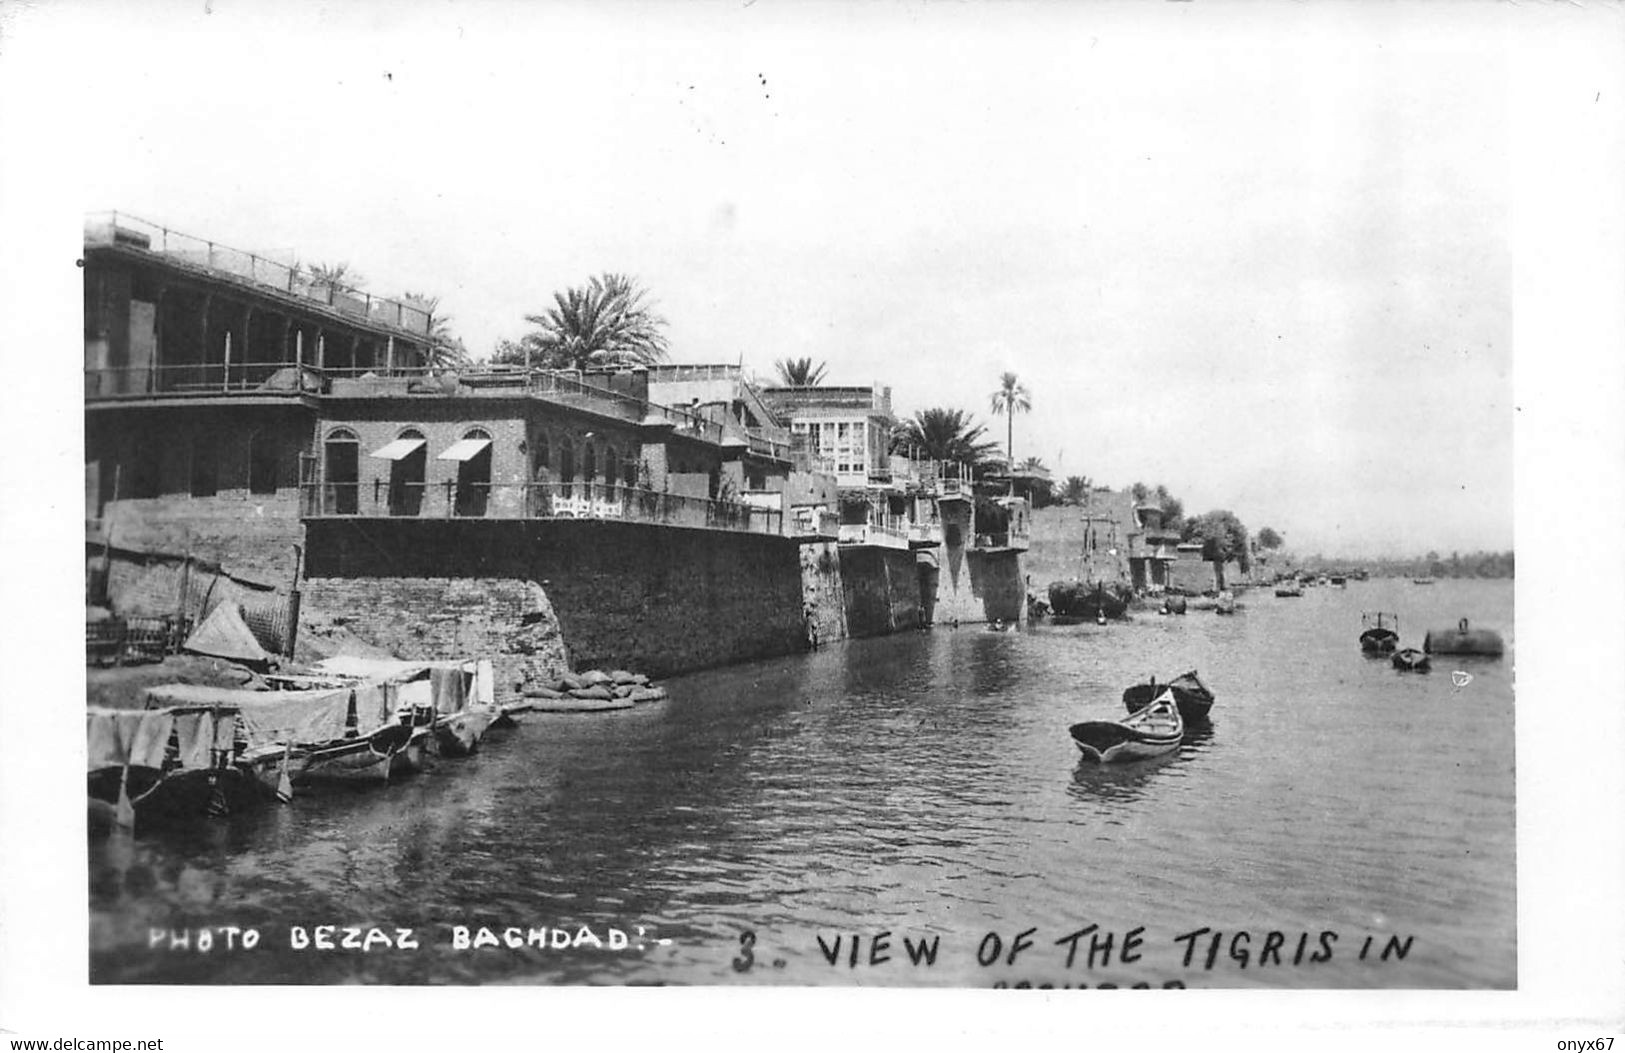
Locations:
(541, 458)
(567, 462)
(589, 462)
(407, 471)
(473, 473)
(341, 462)
(612, 466)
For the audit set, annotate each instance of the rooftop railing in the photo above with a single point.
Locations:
(123, 229)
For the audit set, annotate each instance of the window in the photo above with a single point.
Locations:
(406, 478)
(262, 463)
(589, 462)
(342, 464)
(205, 466)
(474, 476)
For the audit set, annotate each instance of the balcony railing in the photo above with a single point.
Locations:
(580, 500)
(235, 378)
(873, 534)
(813, 522)
(925, 533)
(119, 228)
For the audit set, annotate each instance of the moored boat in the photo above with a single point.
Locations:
(1156, 729)
(1421, 581)
(163, 764)
(1410, 660)
(1191, 696)
(1226, 603)
(1380, 632)
(1290, 590)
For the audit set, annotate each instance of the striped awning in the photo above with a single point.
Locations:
(399, 449)
(465, 450)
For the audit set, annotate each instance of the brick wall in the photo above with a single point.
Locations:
(656, 599)
(509, 620)
(989, 585)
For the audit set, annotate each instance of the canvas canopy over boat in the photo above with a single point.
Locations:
(1190, 694)
(163, 763)
(1380, 633)
(1154, 730)
(456, 698)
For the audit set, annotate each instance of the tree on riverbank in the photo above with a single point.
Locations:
(1173, 509)
(941, 434)
(1011, 398)
(1076, 489)
(800, 372)
(1268, 538)
(1223, 537)
(603, 323)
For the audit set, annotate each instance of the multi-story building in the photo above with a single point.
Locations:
(228, 400)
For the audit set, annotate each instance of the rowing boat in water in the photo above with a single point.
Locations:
(1381, 632)
(1410, 660)
(163, 764)
(1190, 694)
(1154, 730)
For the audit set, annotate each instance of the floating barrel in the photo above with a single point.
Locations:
(1463, 639)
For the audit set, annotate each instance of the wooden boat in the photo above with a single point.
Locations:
(163, 764)
(1411, 660)
(1191, 696)
(577, 705)
(1289, 591)
(1340, 581)
(1421, 581)
(1156, 729)
(1463, 639)
(1380, 633)
(1072, 601)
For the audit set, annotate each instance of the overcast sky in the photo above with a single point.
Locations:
(1256, 252)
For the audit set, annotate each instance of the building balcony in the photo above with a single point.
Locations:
(873, 534)
(447, 499)
(213, 381)
(812, 523)
(924, 535)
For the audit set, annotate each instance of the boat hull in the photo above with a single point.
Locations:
(1410, 660)
(175, 797)
(1106, 742)
(1379, 641)
(1190, 695)
(459, 734)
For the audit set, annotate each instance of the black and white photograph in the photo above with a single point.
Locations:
(977, 496)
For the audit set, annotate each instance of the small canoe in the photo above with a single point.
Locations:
(1154, 730)
(1411, 660)
(1190, 694)
(1289, 592)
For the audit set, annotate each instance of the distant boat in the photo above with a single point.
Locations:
(1410, 660)
(1381, 632)
(1340, 581)
(1191, 696)
(1290, 590)
(1421, 581)
(1154, 730)
(1226, 604)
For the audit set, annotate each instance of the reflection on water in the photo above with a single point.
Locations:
(923, 783)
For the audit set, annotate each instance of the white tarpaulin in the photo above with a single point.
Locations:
(295, 716)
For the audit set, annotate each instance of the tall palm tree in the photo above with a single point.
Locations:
(800, 372)
(1076, 489)
(1011, 398)
(943, 435)
(605, 323)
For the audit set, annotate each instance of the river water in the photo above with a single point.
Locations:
(921, 785)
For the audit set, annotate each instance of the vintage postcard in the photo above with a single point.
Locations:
(760, 496)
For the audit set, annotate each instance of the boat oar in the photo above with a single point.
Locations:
(124, 814)
(284, 784)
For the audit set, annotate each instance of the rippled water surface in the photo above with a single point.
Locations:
(922, 784)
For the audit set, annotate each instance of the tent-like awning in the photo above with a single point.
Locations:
(465, 450)
(400, 449)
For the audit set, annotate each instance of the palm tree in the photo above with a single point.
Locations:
(446, 350)
(943, 435)
(605, 323)
(1011, 398)
(1076, 489)
(800, 372)
(1033, 464)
